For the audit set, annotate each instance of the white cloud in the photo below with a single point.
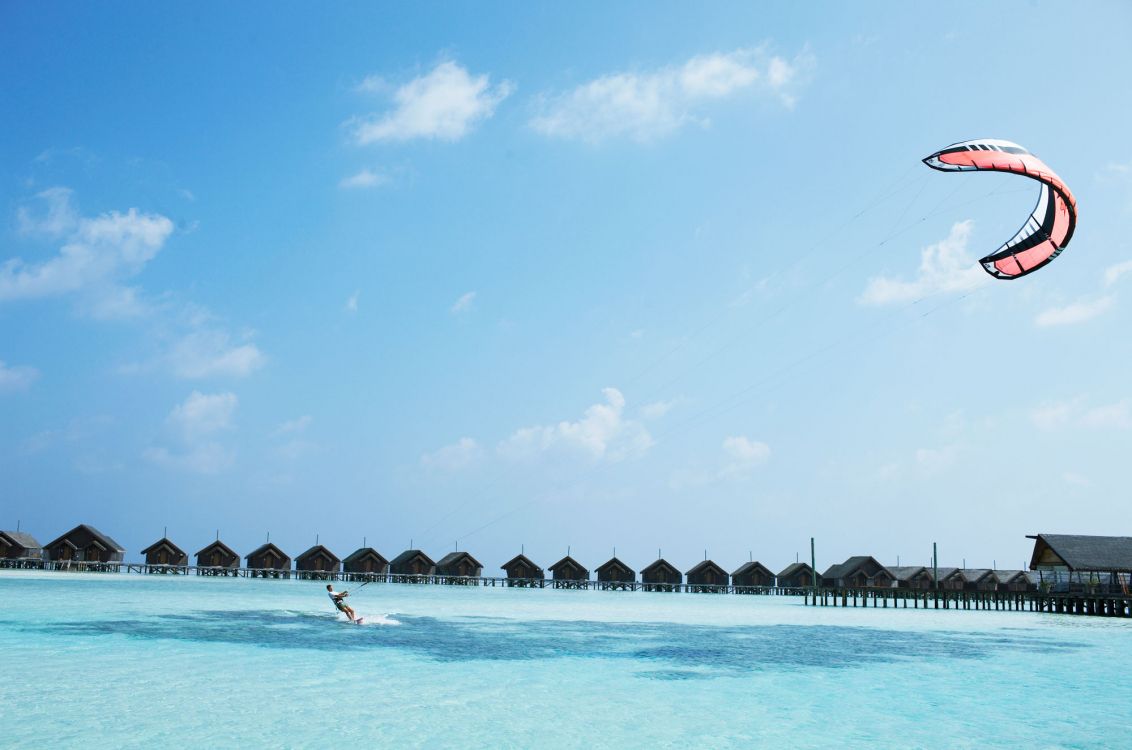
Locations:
(203, 414)
(944, 267)
(1075, 413)
(193, 425)
(464, 304)
(1113, 273)
(16, 378)
(210, 353)
(463, 454)
(1078, 480)
(366, 178)
(97, 253)
(443, 104)
(743, 454)
(352, 302)
(933, 460)
(603, 433)
(657, 409)
(1077, 312)
(645, 106)
(293, 426)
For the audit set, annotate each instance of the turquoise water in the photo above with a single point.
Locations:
(251, 663)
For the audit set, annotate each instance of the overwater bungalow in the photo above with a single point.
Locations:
(752, 573)
(1074, 562)
(1012, 580)
(979, 579)
(917, 577)
(522, 571)
(661, 576)
(19, 549)
(614, 574)
(857, 572)
(707, 577)
(86, 544)
(412, 562)
(317, 562)
(217, 559)
(268, 561)
(568, 573)
(796, 576)
(951, 579)
(459, 565)
(165, 557)
(365, 561)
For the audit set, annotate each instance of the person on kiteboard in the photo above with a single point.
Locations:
(338, 598)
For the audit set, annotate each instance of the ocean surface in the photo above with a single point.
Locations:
(133, 661)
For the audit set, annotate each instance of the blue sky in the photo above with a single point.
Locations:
(643, 276)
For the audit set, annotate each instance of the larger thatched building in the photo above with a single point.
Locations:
(87, 545)
(1079, 562)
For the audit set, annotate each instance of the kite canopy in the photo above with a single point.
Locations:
(1049, 228)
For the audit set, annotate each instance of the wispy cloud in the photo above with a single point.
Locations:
(191, 429)
(935, 460)
(743, 454)
(367, 178)
(464, 304)
(603, 433)
(97, 254)
(657, 409)
(293, 426)
(16, 378)
(1077, 413)
(444, 104)
(352, 302)
(1076, 312)
(644, 106)
(944, 267)
(463, 454)
(210, 352)
(1113, 273)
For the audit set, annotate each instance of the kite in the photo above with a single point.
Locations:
(1049, 228)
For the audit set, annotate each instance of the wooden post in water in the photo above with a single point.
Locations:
(813, 570)
(935, 573)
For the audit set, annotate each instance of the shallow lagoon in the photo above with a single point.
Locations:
(237, 662)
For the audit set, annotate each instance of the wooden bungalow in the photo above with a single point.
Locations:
(521, 571)
(412, 562)
(165, 557)
(1076, 562)
(661, 576)
(857, 572)
(707, 577)
(317, 562)
(917, 577)
(268, 561)
(217, 559)
(86, 544)
(951, 579)
(979, 579)
(797, 576)
(1012, 580)
(568, 573)
(18, 549)
(459, 565)
(365, 561)
(751, 574)
(614, 574)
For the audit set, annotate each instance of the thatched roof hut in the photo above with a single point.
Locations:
(796, 576)
(752, 573)
(952, 579)
(615, 571)
(706, 576)
(1075, 553)
(521, 567)
(164, 552)
(19, 545)
(661, 576)
(412, 562)
(978, 579)
(268, 557)
(911, 576)
(569, 569)
(218, 555)
(365, 560)
(460, 565)
(318, 560)
(1012, 580)
(86, 544)
(861, 571)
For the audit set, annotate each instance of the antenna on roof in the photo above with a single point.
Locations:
(165, 532)
(658, 552)
(269, 537)
(17, 525)
(994, 564)
(750, 556)
(218, 535)
(522, 549)
(964, 562)
(567, 550)
(316, 539)
(705, 554)
(410, 542)
(615, 550)
(898, 561)
(364, 542)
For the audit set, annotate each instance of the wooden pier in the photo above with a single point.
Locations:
(1100, 604)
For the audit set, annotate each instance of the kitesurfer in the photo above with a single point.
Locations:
(338, 598)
